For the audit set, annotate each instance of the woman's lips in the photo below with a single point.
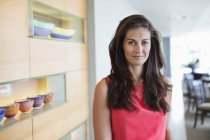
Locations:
(136, 57)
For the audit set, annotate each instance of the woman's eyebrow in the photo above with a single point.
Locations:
(130, 39)
(146, 39)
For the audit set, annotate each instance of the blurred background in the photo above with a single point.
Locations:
(185, 29)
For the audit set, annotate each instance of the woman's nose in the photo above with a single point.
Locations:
(138, 47)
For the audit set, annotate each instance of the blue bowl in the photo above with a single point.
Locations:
(60, 36)
(2, 113)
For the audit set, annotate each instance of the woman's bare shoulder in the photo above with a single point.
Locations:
(101, 90)
(101, 86)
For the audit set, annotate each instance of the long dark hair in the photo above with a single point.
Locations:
(121, 80)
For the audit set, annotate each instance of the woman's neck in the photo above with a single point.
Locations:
(136, 72)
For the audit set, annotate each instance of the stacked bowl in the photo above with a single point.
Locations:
(42, 29)
(62, 33)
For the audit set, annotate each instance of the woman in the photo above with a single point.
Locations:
(133, 102)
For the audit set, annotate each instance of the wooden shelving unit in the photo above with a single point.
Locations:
(27, 57)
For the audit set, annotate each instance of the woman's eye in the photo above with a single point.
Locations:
(144, 43)
(131, 43)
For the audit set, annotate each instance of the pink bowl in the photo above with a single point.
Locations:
(25, 104)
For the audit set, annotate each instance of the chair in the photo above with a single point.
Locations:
(198, 76)
(188, 94)
(206, 86)
(202, 107)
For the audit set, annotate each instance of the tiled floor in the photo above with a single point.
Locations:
(201, 132)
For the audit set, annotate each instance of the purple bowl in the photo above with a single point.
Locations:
(39, 31)
(38, 100)
(2, 113)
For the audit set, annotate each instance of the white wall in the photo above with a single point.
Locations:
(108, 13)
(103, 19)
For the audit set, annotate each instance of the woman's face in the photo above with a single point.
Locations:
(136, 46)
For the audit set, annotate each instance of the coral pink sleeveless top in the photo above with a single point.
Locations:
(141, 124)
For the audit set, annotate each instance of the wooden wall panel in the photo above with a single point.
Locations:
(88, 129)
(14, 53)
(77, 57)
(76, 7)
(51, 125)
(58, 4)
(47, 57)
(78, 115)
(76, 86)
(77, 97)
(21, 130)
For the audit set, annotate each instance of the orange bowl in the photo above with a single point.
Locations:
(48, 97)
(25, 104)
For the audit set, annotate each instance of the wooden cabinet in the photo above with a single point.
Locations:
(78, 115)
(20, 131)
(77, 57)
(25, 56)
(77, 87)
(76, 7)
(14, 51)
(47, 57)
(53, 3)
(50, 125)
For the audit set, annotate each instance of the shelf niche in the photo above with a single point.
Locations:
(17, 90)
(65, 21)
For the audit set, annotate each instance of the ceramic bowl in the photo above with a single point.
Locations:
(11, 110)
(54, 35)
(38, 100)
(62, 33)
(48, 97)
(2, 113)
(42, 28)
(25, 104)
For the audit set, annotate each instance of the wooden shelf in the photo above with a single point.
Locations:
(21, 116)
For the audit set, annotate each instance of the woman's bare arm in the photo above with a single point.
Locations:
(101, 113)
